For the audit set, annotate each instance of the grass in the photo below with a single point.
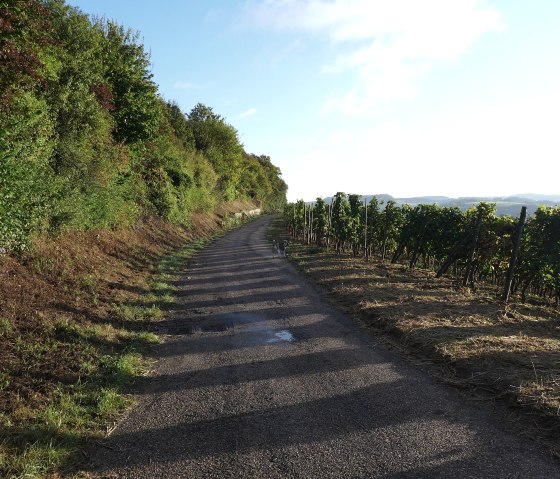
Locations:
(504, 353)
(73, 340)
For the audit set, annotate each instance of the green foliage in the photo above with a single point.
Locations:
(220, 142)
(138, 111)
(321, 219)
(181, 126)
(86, 142)
(24, 30)
(342, 221)
(431, 236)
(27, 186)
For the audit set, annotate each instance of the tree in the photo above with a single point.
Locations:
(138, 112)
(220, 143)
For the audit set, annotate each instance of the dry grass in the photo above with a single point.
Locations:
(510, 354)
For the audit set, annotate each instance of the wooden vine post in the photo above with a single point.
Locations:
(312, 214)
(329, 225)
(474, 241)
(385, 233)
(515, 253)
(365, 230)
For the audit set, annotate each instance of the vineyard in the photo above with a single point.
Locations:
(470, 295)
(519, 256)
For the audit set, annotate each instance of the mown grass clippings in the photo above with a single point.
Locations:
(76, 317)
(510, 353)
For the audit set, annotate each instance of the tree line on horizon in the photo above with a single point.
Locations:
(474, 245)
(87, 142)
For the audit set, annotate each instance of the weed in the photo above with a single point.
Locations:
(4, 380)
(89, 282)
(110, 402)
(124, 368)
(141, 337)
(36, 459)
(142, 314)
(6, 327)
(43, 265)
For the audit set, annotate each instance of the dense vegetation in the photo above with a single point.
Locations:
(474, 245)
(87, 142)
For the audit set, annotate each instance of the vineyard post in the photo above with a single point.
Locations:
(514, 254)
(294, 221)
(329, 227)
(309, 225)
(365, 230)
(312, 209)
(385, 233)
(304, 222)
(474, 241)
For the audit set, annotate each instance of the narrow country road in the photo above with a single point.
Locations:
(261, 378)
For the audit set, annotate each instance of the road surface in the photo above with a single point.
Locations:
(260, 377)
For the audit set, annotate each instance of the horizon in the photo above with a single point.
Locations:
(354, 95)
(523, 196)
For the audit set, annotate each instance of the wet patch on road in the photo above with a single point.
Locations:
(280, 336)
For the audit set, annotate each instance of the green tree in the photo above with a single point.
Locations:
(138, 111)
(220, 143)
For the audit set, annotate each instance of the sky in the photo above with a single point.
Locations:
(402, 97)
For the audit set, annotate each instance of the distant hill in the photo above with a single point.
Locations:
(508, 205)
(531, 196)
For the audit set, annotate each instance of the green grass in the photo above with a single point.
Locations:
(137, 313)
(51, 436)
(6, 327)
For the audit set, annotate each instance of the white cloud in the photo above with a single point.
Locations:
(248, 113)
(498, 150)
(388, 44)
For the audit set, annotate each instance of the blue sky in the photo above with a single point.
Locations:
(405, 97)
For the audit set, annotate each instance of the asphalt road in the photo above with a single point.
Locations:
(260, 377)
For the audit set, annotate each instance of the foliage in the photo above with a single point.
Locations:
(476, 243)
(86, 141)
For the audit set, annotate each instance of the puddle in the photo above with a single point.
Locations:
(284, 335)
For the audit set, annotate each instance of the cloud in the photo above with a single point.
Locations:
(499, 150)
(184, 85)
(388, 45)
(248, 113)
